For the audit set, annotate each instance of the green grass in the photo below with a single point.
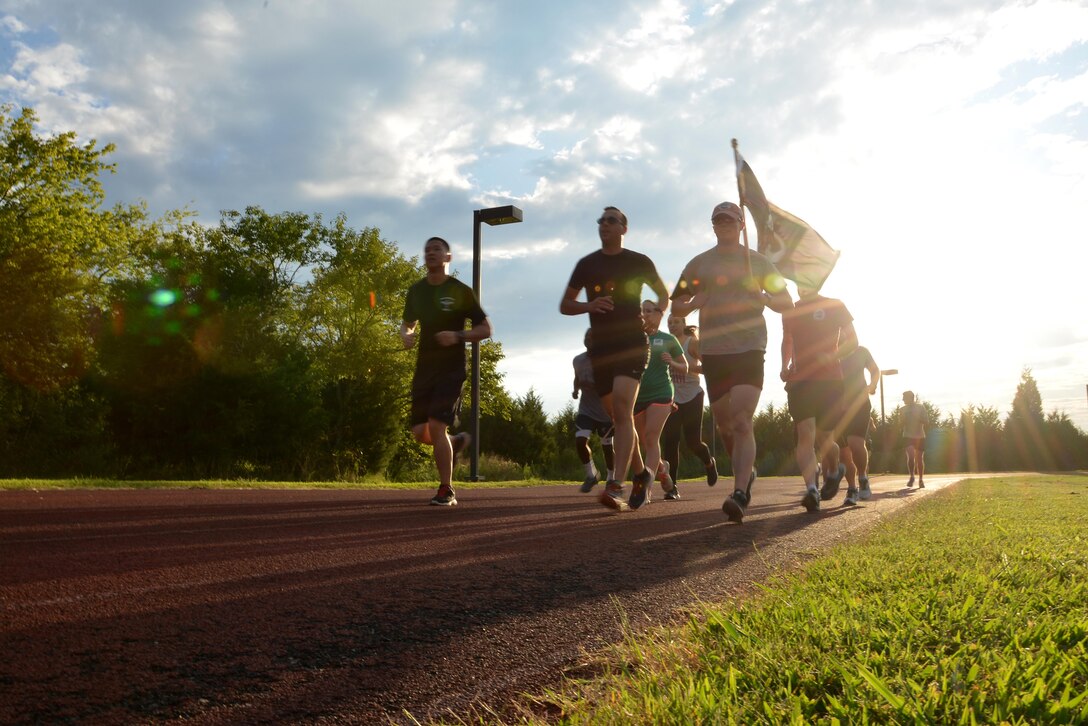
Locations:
(970, 607)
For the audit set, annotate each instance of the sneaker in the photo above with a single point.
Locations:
(673, 494)
(589, 483)
(921, 484)
(612, 496)
(460, 442)
(866, 491)
(831, 483)
(734, 506)
(911, 482)
(445, 497)
(640, 489)
(663, 476)
(851, 497)
(712, 472)
(811, 500)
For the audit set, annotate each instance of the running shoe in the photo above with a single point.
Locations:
(866, 491)
(921, 484)
(612, 496)
(663, 476)
(811, 500)
(851, 497)
(589, 483)
(640, 489)
(734, 506)
(673, 494)
(911, 482)
(460, 442)
(831, 483)
(712, 472)
(445, 497)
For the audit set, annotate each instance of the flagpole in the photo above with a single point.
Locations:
(740, 195)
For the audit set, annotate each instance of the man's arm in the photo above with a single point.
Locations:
(662, 292)
(479, 331)
(848, 340)
(408, 333)
(874, 375)
(779, 301)
(787, 354)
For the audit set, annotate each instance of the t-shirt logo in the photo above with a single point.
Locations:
(446, 303)
(658, 343)
(819, 315)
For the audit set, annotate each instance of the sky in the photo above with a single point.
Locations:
(941, 146)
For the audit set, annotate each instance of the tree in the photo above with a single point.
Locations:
(1024, 428)
(58, 249)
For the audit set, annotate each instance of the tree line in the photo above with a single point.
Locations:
(265, 347)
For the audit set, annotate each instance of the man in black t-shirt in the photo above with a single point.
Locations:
(613, 278)
(440, 304)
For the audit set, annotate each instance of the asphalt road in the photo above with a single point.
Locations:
(319, 606)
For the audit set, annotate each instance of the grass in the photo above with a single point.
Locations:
(971, 607)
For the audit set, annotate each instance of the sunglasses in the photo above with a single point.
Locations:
(610, 219)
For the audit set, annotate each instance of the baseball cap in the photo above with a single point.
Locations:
(727, 209)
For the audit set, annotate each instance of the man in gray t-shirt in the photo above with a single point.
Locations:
(730, 285)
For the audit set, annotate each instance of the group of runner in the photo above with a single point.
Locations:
(639, 384)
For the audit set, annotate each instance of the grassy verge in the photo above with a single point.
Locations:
(971, 607)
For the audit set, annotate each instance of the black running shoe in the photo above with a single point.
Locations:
(589, 483)
(445, 497)
(712, 472)
(734, 506)
(640, 489)
(851, 497)
(831, 483)
(673, 494)
(460, 442)
(811, 500)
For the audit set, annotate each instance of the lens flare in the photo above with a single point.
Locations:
(163, 298)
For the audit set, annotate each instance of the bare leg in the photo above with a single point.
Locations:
(436, 433)
(806, 450)
(741, 409)
(621, 407)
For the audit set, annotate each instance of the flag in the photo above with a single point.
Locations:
(795, 248)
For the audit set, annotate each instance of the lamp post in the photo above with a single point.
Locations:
(889, 372)
(492, 216)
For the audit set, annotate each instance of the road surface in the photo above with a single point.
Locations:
(328, 606)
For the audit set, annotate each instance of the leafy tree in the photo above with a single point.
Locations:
(980, 429)
(1025, 438)
(58, 248)
(348, 321)
(525, 437)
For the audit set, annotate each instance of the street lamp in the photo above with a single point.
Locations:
(889, 372)
(491, 216)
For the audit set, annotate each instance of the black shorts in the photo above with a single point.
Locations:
(858, 422)
(723, 372)
(437, 396)
(584, 426)
(641, 406)
(821, 400)
(627, 358)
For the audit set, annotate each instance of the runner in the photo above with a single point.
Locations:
(613, 278)
(815, 336)
(914, 431)
(654, 402)
(857, 417)
(687, 420)
(440, 304)
(731, 286)
(591, 419)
